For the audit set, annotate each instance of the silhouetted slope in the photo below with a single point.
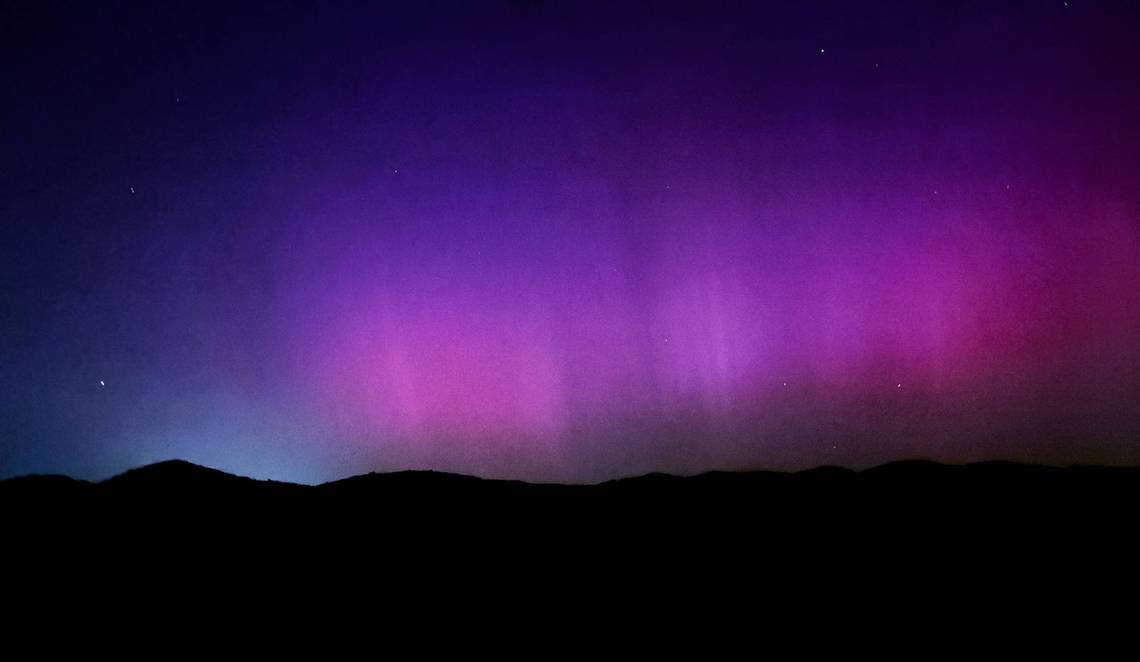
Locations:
(914, 478)
(178, 473)
(917, 522)
(915, 495)
(27, 490)
(181, 479)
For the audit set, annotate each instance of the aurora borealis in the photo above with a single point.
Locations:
(568, 241)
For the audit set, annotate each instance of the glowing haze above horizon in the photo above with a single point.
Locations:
(568, 241)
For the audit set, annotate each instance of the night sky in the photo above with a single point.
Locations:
(567, 241)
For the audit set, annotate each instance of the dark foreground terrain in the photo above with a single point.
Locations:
(902, 499)
(926, 530)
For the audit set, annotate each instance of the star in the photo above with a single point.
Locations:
(821, 50)
(785, 383)
(898, 385)
(101, 383)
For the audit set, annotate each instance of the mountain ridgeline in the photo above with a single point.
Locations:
(903, 520)
(913, 491)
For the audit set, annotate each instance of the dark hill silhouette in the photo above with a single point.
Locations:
(906, 489)
(912, 509)
(920, 523)
(179, 477)
(178, 472)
